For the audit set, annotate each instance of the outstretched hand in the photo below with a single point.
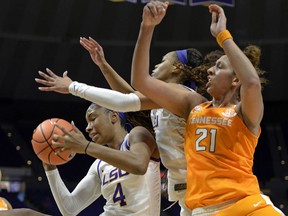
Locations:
(154, 12)
(73, 141)
(218, 21)
(53, 82)
(95, 50)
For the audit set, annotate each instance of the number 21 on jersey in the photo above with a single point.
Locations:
(205, 134)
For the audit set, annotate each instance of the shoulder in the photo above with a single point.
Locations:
(189, 93)
(139, 131)
(194, 99)
(140, 134)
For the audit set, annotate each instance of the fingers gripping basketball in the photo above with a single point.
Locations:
(42, 142)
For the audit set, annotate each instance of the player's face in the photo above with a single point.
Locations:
(99, 124)
(164, 69)
(220, 77)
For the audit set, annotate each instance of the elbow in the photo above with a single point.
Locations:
(122, 107)
(139, 169)
(134, 83)
(133, 79)
(140, 84)
(254, 84)
(139, 172)
(252, 87)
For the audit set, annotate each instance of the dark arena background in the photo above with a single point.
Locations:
(39, 34)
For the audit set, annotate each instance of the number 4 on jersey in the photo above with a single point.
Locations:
(119, 196)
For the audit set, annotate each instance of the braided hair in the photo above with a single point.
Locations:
(141, 118)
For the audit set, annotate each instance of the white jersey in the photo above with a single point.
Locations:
(125, 193)
(169, 132)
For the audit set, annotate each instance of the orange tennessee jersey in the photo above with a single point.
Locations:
(219, 151)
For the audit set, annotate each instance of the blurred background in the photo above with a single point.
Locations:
(36, 34)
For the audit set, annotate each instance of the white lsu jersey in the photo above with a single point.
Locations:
(129, 194)
(169, 132)
(125, 193)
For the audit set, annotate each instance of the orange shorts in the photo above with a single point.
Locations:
(255, 205)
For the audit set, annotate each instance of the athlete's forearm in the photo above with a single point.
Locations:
(115, 81)
(107, 98)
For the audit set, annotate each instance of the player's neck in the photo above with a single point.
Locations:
(118, 139)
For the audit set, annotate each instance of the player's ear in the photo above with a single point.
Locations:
(177, 69)
(236, 82)
(114, 117)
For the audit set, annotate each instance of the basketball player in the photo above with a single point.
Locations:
(220, 139)
(177, 68)
(126, 172)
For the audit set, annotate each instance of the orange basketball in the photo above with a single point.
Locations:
(42, 142)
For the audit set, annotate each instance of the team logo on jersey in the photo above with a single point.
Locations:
(229, 113)
(196, 109)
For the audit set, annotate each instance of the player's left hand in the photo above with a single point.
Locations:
(73, 141)
(218, 21)
(154, 12)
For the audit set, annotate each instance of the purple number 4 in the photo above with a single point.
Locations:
(119, 196)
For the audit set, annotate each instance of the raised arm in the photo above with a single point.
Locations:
(158, 91)
(96, 52)
(250, 91)
(110, 99)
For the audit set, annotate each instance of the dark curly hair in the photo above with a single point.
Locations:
(253, 53)
(141, 118)
(194, 57)
(199, 73)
